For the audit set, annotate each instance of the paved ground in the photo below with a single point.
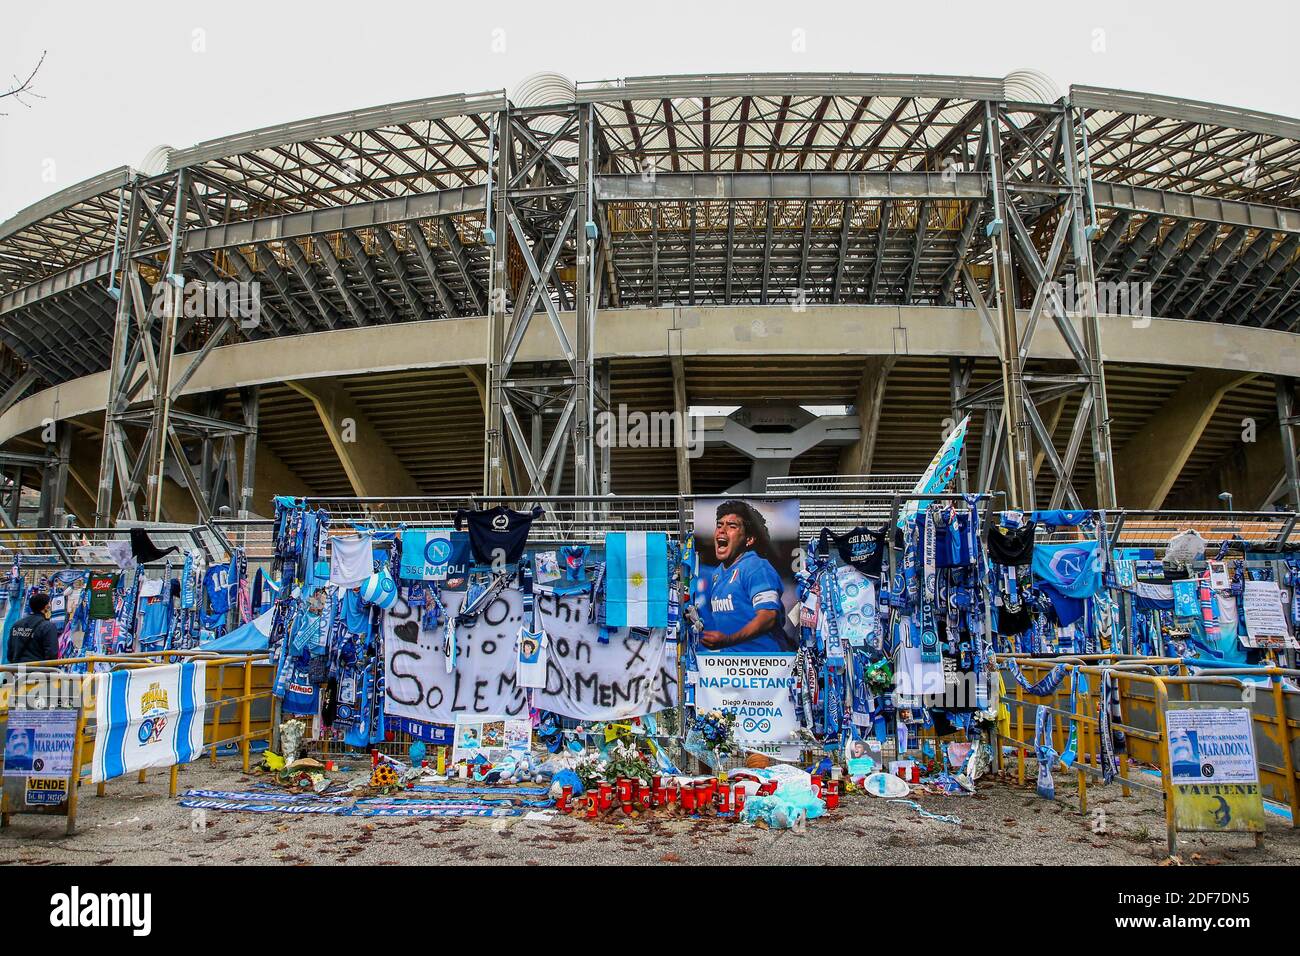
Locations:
(1001, 824)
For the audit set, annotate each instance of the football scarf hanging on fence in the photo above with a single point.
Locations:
(426, 553)
(1043, 750)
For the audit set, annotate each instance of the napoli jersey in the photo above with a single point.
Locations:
(751, 584)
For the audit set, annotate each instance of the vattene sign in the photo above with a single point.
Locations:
(1214, 772)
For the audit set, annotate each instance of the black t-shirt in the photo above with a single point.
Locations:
(1012, 546)
(33, 638)
(861, 547)
(498, 532)
(1011, 622)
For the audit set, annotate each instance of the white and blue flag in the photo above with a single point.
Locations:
(426, 553)
(636, 579)
(939, 474)
(148, 717)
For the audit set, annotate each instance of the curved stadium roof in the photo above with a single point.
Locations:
(1200, 200)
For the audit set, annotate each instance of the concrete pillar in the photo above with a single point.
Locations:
(681, 406)
(478, 378)
(1287, 424)
(273, 477)
(372, 468)
(54, 480)
(1149, 464)
(760, 469)
(1251, 471)
(856, 458)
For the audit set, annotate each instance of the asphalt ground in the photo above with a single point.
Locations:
(1001, 824)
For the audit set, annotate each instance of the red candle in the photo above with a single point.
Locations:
(724, 800)
(832, 796)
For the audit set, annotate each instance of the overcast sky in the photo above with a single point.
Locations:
(122, 78)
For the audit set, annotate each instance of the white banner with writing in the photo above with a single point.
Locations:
(630, 676)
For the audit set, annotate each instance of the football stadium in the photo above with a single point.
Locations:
(795, 278)
(785, 468)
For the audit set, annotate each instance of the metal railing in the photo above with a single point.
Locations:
(88, 547)
(577, 519)
(1146, 686)
(1261, 530)
(239, 706)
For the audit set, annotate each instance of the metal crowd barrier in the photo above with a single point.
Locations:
(1145, 694)
(1260, 530)
(87, 548)
(239, 707)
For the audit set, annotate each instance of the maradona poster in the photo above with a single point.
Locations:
(744, 584)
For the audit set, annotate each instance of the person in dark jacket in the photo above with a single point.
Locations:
(34, 637)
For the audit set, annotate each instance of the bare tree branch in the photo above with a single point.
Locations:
(21, 87)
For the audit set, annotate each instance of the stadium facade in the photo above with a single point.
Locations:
(457, 295)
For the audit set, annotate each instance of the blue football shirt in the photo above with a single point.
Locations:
(751, 584)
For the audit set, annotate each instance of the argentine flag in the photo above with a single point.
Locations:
(636, 579)
(148, 717)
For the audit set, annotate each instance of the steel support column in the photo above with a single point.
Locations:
(160, 428)
(1020, 488)
(543, 194)
(111, 452)
(1290, 424)
(1099, 425)
(495, 454)
(250, 400)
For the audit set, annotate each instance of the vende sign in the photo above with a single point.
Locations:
(759, 688)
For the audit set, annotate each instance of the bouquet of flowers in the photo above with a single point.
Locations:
(716, 730)
(625, 760)
(590, 770)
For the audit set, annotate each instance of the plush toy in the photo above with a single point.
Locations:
(417, 753)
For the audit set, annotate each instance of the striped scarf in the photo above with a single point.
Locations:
(1113, 742)
(1045, 686)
